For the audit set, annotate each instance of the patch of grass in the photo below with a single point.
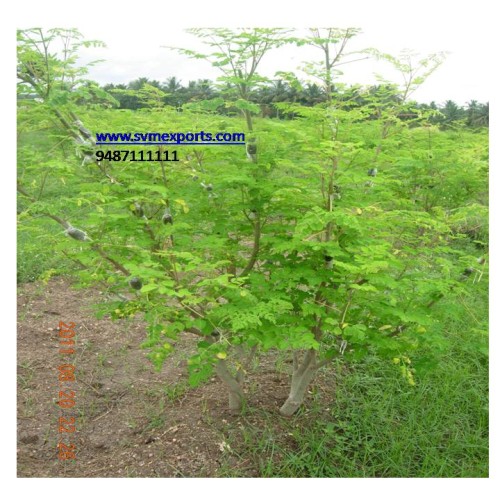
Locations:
(379, 425)
(36, 259)
(27, 406)
(33, 258)
(156, 417)
(25, 375)
(175, 391)
(102, 360)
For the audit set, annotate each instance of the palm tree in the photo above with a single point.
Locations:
(172, 85)
(204, 89)
(478, 114)
(312, 94)
(452, 112)
(173, 89)
(140, 82)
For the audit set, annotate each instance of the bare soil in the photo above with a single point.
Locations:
(131, 421)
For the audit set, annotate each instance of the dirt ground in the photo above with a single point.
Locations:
(130, 420)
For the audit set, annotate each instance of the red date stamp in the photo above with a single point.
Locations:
(67, 396)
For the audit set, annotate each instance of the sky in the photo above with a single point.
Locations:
(462, 77)
(135, 33)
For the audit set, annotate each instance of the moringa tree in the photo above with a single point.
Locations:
(283, 246)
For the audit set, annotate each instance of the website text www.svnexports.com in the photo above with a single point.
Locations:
(201, 138)
(165, 138)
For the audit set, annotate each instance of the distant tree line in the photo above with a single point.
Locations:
(144, 92)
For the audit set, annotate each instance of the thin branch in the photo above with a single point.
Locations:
(60, 221)
(346, 307)
(255, 250)
(322, 363)
(112, 261)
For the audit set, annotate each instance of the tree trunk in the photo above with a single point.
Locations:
(302, 375)
(234, 384)
(235, 401)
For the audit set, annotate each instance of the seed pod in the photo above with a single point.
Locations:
(138, 210)
(135, 283)
(208, 187)
(194, 178)
(468, 271)
(76, 234)
(328, 261)
(251, 150)
(372, 172)
(167, 217)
